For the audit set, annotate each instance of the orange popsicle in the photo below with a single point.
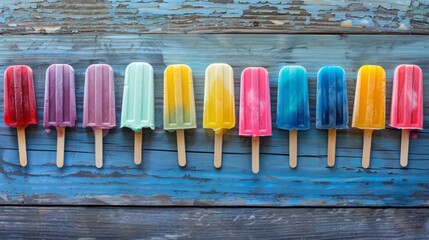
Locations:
(369, 109)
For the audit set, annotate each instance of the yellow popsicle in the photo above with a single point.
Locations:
(369, 108)
(219, 105)
(179, 104)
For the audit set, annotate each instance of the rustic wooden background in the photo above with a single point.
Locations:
(160, 200)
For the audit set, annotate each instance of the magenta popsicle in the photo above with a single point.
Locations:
(99, 104)
(407, 98)
(60, 103)
(407, 104)
(255, 109)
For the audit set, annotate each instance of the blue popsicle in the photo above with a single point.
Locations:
(331, 108)
(331, 105)
(292, 107)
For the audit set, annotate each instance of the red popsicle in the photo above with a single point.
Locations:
(19, 104)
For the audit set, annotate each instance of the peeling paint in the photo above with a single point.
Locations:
(366, 22)
(347, 24)
(403, 27)
(278, 22)
(134, 16)
(47, 29)
(307, 20)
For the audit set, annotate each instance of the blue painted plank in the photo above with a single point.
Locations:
(198, 16)
(159, 180)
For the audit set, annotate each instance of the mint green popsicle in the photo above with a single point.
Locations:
(138, 99)
(138, 102)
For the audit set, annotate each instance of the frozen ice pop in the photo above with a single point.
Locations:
(19, 104)
(369, 107)
(179, 104)
(99, 105)
(292, 109)
(60, 103)
(331, 105)
(407, 104)
(138, 103)
(255, 108)
(219, 105)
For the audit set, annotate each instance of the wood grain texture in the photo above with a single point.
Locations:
(159, 181)
(213, 16)
(212, 223)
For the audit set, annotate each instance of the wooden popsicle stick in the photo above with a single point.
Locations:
(255, 154)
(332, 140)
(181, 150)
(138, 137)
(99, 148)
(405, 140)
(22, 146)
(218, 150)
(367, 137)
(61, 135)
(293, 148)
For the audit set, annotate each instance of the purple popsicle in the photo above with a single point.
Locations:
(60, 103)
(60, 100)
(99, 104)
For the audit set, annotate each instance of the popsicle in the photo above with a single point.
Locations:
(99, 105)
(255, 108)
(19, 104)
(60, 103)
(138, 108)
(331, 105)
(369, 107)
(219, 105)
(407, 104)
(292, 108)
(179, 105)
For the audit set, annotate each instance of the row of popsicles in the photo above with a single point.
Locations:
(219, 105)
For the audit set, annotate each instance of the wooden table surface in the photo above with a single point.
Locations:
(161, 200)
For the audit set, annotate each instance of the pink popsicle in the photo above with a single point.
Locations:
(255, 108)
(60, 103)
(407, 104)
(407, 98)
(99, 104)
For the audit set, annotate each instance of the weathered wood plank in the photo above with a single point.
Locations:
(214, 16)
(159, 181)
(212, 223)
